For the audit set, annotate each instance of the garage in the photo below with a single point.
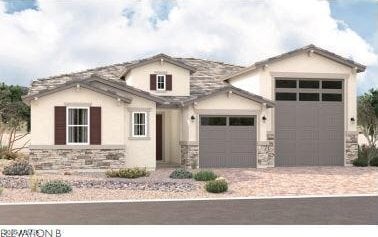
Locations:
(227, 141)
(309, 122)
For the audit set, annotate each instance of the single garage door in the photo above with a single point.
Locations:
(309, 122)
(227, 141)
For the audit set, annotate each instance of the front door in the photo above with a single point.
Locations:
(159, 137)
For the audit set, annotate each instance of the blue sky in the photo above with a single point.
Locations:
(46, 37)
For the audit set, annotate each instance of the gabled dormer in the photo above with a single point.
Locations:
(160, 75)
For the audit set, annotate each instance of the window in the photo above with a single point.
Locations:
(213, 121)
(286, 96)
(77, 126)
(332, 84)
(309, 84)
(139, 125)
(241, 121)
(331, 97)
(160, 82)
(309, 96)
(286, 84)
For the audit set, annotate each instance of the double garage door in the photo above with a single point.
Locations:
(309, 122)
(227, 141)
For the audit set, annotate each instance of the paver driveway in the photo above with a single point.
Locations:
(301, 181)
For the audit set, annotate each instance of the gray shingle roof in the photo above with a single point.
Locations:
(206, 77)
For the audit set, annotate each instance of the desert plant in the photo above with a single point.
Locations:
(18, 168)
(216, 186)
(205, 175)
(181, 174)
(34, 183)
(1, 190)
(9, 155)
(129, 173)
(374, 161)
(56, 187)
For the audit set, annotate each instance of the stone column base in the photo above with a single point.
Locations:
(265, 154)
(189, 156)
(351, 147)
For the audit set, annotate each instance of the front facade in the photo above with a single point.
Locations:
(297, 109)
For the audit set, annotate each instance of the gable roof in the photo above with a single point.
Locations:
(117, 90)
(309, 48)
(158, 58)
(234, 90)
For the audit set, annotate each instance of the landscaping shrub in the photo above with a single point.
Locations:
(374, 161)
(34, 183)
(129, 173)
(360, 162)
(181, 174)
(18, 168)
(205, 175)
(56, 187)
(1, 190)
(9, 155)
(216, 186)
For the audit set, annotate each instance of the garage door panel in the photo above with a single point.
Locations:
(315, 127)
(228, 146)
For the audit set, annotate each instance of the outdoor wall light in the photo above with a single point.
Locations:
(352, 119)
(192, 118)
(264, 118)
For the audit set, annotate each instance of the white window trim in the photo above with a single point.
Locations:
(67, 125)
(133, 124)
(157, 82)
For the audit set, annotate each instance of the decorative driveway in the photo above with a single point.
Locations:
(301, 181)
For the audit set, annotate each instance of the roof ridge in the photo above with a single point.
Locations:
(210, 60)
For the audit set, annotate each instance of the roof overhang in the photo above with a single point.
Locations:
(118, 90)
(310, 49)
(158, 58)
(234, 90)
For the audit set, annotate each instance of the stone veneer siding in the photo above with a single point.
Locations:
(351, 147)
(265, 152)
(60, 159)
(190, 156)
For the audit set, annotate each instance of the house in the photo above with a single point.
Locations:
(296, 109)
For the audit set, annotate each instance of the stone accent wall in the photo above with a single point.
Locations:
(60, 159)
(190, 156)
(265, 154)
(351, 147)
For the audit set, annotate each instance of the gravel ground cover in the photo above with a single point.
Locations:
(242, 183)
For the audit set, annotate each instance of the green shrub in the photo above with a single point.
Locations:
(129, 173)
(374, 161)
(56, 187)
(217, 186)
(360, 162)
(18, 168)
(181, 174)
(205, 175)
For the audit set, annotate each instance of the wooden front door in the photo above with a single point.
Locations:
(159, 137)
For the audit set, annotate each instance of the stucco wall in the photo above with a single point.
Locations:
(115, 122)
(42, 115)
(221, 104)
(140, 78)
(303, 66)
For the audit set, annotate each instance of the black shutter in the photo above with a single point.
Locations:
(168, 82)
(153, 82)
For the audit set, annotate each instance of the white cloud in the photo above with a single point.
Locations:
(64, 37)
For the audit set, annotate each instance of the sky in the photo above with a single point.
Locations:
(41, 38)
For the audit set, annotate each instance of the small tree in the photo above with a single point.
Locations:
(367, 114)
(13, 115)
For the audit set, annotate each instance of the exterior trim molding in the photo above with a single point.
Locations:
(226, 112)
(76, 147)
(189, 143)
